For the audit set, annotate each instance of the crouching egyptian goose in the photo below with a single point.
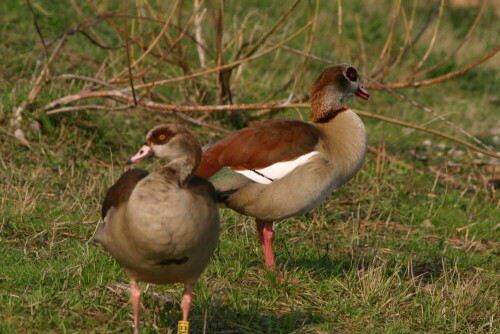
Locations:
(162, 227)
(284, 167)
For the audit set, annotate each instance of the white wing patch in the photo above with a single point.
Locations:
(277, 171)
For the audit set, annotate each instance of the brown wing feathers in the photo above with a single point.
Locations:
(121, 190)
(259, 146)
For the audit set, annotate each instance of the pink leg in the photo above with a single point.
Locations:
(266, 235)
(135, 297)
(186, 302)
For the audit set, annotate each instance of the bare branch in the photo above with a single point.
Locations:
(443, 77)
(427, 130)
(430, 111)
(433, 40)
(459, 46)
(89, 107)
(273, 29)
(339, 29)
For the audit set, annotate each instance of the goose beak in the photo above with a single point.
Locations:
(144, 153)
(362, 93)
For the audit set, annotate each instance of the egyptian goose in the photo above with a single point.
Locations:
(284, 167)
(162, 227)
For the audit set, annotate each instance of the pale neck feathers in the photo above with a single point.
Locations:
(345, 141)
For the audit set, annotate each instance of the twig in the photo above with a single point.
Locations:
(227, 66)
(305, 54)
(459, 46)
(392, 35)
(362, 53)
(200, 46)
(108, 18)
(37, 28)
(158, 297)
(432, 42)
(96, 38)
(222, 76)
(432, 112)
(89, 107)
(127, 49)
(394, 61)
(76, 222)
(155, 42)
(85, 78)
(443, 77)
(123, 93)
(160, 106)
(74, 235)
(380, 66)
(339, 29)
(431, 131)
(273, 29)
(393, 85)
(201, 123)
(39, 82)
(310, 36)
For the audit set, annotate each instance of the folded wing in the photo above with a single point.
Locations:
(260, 146)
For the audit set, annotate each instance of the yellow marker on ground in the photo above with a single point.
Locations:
(183, 327)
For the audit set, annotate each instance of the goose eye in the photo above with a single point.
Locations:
(162, 137)
(352, 74)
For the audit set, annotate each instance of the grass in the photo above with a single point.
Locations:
(410, 245)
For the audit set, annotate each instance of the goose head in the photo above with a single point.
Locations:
(330, 89)
(170, 141)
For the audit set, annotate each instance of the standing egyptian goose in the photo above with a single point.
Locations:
(162, 227)
(286, 167)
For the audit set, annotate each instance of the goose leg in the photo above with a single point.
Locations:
(135, 297)
(186, 302)
(266, 235)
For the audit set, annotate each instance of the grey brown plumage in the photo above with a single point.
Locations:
(163, 226)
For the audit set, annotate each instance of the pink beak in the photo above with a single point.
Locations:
(144, 153)
(362, 93)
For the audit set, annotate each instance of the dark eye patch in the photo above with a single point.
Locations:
(161, 136)
(352, 74)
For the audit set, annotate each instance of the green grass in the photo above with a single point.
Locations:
(410, 245)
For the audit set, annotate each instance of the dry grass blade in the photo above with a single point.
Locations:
(42, 78)
(392, 35)
(459, 46)
(408, 43)
(95, 35)
(160, 34)
(385, 52)
(433, 39)
(339, 29)
(362, 53)
(201, 44)
(409, 29)
(37, 28)
(273, 29)
(127, 50)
